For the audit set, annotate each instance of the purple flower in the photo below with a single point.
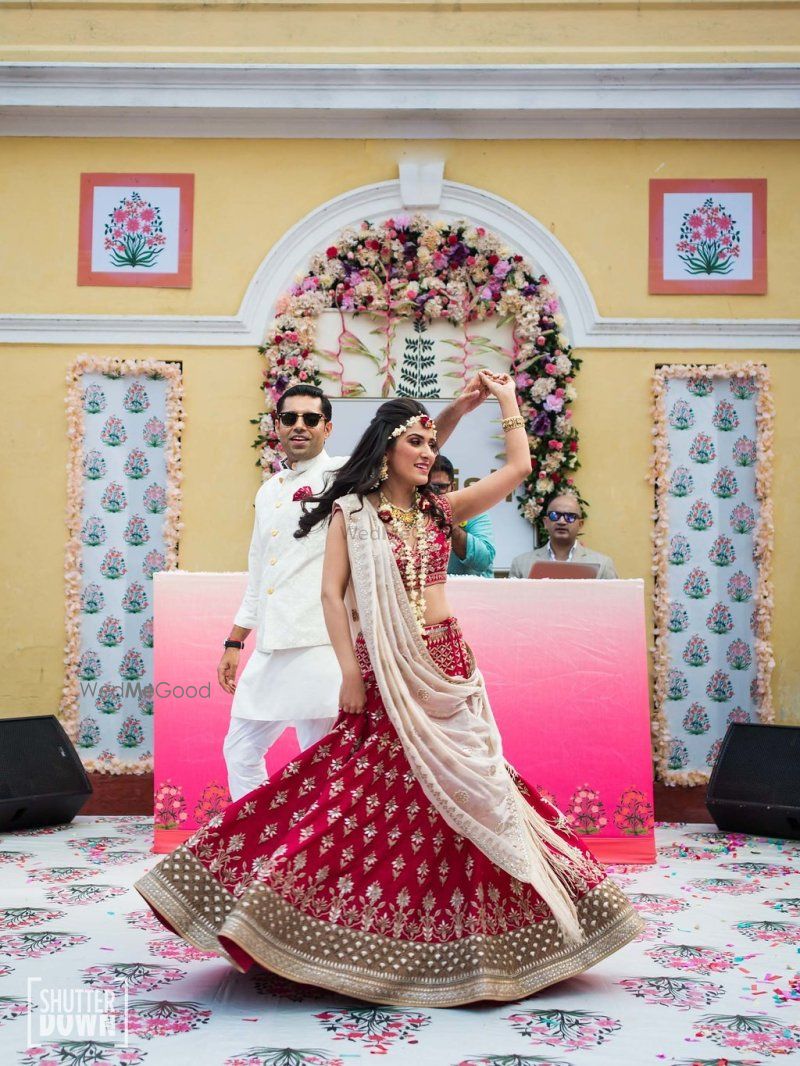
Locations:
(541, 426)
(501, 268)
(458, 253)
(553, 403)
(523, 380)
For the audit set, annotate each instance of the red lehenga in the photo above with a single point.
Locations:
(340, 872)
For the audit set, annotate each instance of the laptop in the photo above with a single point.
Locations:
(546, 568)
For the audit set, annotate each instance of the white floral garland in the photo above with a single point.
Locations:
(763, 548)
(171, 372)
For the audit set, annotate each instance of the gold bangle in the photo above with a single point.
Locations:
(512, 422)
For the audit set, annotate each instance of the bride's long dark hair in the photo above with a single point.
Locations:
(360, 473)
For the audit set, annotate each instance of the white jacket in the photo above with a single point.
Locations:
(282, 601)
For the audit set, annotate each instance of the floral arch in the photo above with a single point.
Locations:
(410, 267)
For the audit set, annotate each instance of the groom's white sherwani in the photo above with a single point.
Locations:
(292, 676)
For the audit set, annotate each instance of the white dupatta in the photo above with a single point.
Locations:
(446, 726)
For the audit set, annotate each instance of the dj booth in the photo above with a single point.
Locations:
(565, 664)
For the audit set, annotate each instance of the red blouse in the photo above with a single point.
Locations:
(438, 547)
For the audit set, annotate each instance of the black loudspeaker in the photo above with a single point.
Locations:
(755, 784)
(42, 779)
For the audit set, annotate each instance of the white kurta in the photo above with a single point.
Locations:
(292, 673)
(288, 684)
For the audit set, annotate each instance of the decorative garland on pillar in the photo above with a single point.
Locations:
(410, 267)
(108, 622)
(706, 540)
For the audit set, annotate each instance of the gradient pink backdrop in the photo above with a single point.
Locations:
(565, 664)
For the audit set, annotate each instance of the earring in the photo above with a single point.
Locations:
(384, 471)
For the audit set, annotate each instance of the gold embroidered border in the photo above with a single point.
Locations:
(282, 939)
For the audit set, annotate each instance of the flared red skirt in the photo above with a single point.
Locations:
(340, 872)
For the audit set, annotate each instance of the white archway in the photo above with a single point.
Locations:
(514, 226)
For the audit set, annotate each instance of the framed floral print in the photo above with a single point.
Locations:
(136, 229)
(708, 235)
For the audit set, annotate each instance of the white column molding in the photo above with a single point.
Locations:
(639, 101)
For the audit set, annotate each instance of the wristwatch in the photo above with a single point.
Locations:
(234, 644)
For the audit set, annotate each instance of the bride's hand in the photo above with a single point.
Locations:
(473, 394)
(501, 386)
(352, 694)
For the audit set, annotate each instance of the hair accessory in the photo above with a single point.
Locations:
(424, 420)
(513, 422)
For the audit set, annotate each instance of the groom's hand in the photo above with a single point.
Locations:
(226, 671)
(473, 394)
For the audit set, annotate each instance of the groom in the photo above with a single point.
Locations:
(292, 677)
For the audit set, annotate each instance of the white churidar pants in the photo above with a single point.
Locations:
(276, 690)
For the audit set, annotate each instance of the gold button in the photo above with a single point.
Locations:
(270, 591)
(277, 503)
(274, 532)
(272, 561)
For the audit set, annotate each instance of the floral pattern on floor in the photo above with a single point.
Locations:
(712, 981)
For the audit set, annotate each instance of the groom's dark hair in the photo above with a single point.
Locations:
(307, 390)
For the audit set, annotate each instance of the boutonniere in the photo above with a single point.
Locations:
(303, 492)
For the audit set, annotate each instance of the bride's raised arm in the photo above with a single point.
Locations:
(490, 490)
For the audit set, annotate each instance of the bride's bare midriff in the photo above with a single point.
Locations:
(437, 607)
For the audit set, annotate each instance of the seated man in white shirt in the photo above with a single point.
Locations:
(563, 520)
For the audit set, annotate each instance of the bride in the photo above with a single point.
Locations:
(401, 859)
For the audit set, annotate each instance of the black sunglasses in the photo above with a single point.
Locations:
(438, 488)
(310, 418)
(568, 516)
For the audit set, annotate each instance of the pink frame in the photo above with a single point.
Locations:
(182, 279)
(659, 284)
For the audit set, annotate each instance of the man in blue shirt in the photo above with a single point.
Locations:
(473, 548)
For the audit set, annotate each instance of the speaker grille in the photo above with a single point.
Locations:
(759, 764)
(36, 760)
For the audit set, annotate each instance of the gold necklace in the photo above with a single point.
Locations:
(416, 569)
(406, 515)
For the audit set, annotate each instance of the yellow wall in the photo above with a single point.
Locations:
(593, 195)
(399, 31)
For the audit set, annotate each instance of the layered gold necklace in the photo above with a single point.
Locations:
(403, 520)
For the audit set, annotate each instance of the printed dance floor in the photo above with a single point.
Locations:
(714, 979)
